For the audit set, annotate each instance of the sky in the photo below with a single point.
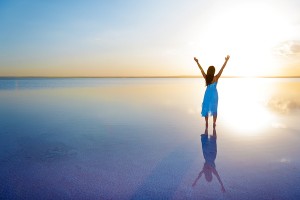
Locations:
(148, 37)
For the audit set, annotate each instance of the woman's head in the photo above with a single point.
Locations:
(210, 75)
(207, 169)
(208, 176)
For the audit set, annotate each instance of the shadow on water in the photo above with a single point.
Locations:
(209, 149)
(167, 176)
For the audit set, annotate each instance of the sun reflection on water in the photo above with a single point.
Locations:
(243, 108)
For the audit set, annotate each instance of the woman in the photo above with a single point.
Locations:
(210, 100)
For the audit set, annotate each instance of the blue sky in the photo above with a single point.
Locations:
(115, 38)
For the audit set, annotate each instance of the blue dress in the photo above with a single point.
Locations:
(210, 100)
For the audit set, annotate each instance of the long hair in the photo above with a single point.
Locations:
(210, 75)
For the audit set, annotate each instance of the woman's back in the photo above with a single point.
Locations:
(210, 100)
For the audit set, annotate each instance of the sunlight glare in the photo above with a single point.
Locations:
(248, 32)
(243, 108)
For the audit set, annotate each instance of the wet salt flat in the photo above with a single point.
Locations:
(145, 139)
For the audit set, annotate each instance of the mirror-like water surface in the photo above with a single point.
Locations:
(145, 139)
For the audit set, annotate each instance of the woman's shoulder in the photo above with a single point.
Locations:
(215, 80)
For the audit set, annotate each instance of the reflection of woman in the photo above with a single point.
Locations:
(209, 149)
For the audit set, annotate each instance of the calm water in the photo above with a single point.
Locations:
(145, 139)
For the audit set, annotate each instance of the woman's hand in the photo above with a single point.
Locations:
(223, 189)
(227, 58)
(195, 59)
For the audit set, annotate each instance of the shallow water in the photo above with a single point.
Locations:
(141, 139)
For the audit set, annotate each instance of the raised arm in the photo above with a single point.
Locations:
(221, 70)
(215, 172)
(196, 180)
(202, 71)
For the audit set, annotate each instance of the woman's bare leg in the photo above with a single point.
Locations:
(206, 121)
(215, 119)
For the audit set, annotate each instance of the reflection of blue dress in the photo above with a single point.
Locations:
(209, 149)
(210, 100)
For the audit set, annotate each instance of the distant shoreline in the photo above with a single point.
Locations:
(16, 77)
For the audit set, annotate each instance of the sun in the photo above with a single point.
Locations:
(248, 32)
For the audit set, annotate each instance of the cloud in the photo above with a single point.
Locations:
(283, 106)
(278, 125)
(288, 48)
(295, 48)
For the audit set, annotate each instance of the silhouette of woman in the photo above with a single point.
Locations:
(210, 100)
(209, 149)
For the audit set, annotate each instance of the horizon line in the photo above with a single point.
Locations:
(176, 76)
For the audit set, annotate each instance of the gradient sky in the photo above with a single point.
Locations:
(148, 37)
